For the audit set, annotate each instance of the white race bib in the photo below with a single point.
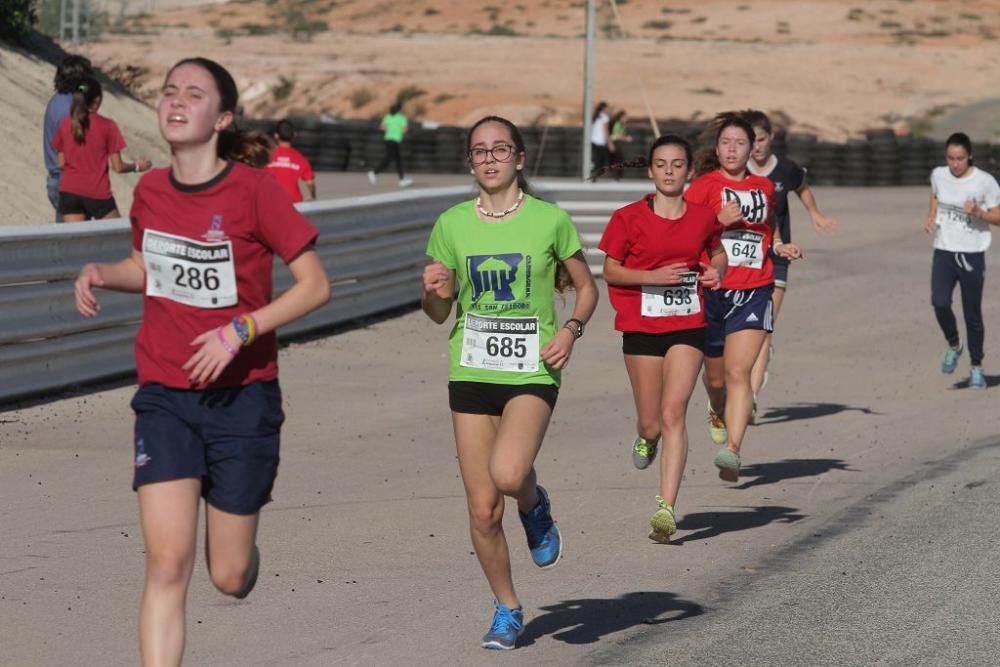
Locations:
(744, 248)
(194, 273)
(500, 343)
(672, 300)
(947, 214)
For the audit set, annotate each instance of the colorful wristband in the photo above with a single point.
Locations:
(225, 343)
(254, 327)
(242, 327)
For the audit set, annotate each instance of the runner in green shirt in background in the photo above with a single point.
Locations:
(508, 252)
(394, 125)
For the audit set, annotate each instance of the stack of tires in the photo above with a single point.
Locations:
(884, 155)
(825, 164)
(855, 164)
(916, 159)
(449, 151)
(800, 148)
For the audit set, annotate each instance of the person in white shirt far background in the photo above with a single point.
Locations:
(965, 201)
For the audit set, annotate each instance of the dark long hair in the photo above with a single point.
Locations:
(707, 160)
(601, 106)
(645, 162)
(234, 144)
(87, 91)
(757, 119)
(960, 139)
(71, 70)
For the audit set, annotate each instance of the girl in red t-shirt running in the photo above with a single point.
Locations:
(86, 141)
(208, 408)
(655, 271)
(738, 315)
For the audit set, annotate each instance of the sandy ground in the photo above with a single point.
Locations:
(366, 550)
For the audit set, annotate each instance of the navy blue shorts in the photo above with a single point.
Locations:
(228, 438)
(729, 311)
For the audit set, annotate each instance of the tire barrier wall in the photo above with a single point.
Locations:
(372, 247)
(880, 159)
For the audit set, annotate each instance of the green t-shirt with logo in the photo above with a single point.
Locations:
(395, 127)
(506, 289)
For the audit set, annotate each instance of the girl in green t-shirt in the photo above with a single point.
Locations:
(506, 251)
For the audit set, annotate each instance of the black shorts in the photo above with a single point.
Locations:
(71, 204)
(229, 438)
(487, 398)
(781, 275)
(656, 345)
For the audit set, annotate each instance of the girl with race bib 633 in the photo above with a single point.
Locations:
(655, 275)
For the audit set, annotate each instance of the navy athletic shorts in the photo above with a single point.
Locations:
(228, 438)
(729, 311)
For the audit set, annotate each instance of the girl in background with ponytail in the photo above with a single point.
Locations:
(85, 142)
(208, 409)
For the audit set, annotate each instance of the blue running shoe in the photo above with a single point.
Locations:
(951, 359)
(543, 534)
(977, 378)
(508, 624)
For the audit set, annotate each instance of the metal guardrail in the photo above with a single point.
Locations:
(372, 247)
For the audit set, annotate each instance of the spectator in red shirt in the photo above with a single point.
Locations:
(85, 142)
(290, 166)
(208, 409)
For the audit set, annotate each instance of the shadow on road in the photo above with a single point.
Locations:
(713, 524)
(991, 381)
(587, 620)
(797, 411)
(777, 471)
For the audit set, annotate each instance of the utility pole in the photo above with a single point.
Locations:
(588, 77)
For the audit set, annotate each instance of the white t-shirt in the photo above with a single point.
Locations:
(957, 231)
(598, 130)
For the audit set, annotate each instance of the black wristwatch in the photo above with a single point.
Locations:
(577, 330)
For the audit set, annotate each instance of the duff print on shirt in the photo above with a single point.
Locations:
(753, 204)
(505, 277)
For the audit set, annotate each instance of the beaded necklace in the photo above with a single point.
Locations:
(501, 214)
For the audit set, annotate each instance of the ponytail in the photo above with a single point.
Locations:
(87, 91)
(250, 148)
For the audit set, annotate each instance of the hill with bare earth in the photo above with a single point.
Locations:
(27, 84)
(833, 67)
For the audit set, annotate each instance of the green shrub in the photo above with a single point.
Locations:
(17, 18)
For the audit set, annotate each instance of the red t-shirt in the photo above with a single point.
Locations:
(195, 238)
(86, 170)
(289, 166)
(747, 243)
(642, 240)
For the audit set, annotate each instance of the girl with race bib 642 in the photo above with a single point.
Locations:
(738, 315)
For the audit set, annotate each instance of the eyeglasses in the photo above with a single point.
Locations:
(500, 153)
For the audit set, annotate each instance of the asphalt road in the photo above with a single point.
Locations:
(860, 532)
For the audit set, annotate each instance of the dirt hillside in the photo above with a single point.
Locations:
(27, 84)
(834, 67)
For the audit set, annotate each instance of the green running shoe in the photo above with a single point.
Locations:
(663, 523)
(717, 428)
(643, 452)
(728, 464)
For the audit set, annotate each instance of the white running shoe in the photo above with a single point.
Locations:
(372, 178)
(406, 182)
